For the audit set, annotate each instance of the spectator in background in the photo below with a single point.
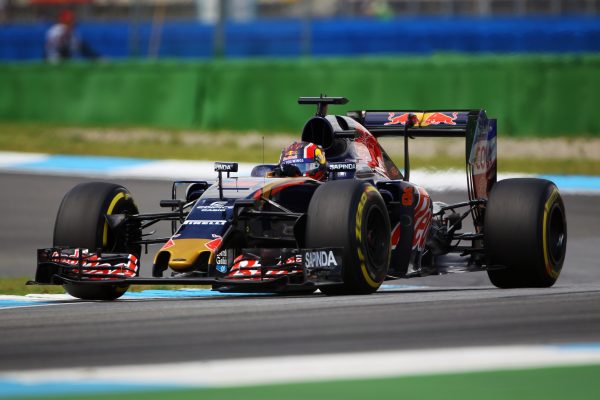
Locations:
(63, 42)
(3, 12)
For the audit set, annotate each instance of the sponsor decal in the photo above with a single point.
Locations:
(394, 119)
(438, 118)
(320, 259)
(342, 166)
(222, 268)
(214, 206)
(433, 118)
(205, 222)
(211, 209)
(291, 152)
(293, 160)
(222, 257)
(226, 167)
(482, 160)
(221, 261)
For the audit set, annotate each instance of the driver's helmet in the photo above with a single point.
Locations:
(303, 159)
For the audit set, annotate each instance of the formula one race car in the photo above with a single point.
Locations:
(363, 224)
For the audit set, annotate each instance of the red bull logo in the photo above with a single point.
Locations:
(289, 155)
(394, 119)
(438, 118)
(434, 118)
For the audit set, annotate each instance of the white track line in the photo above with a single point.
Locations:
(287, 369)
(8, 158)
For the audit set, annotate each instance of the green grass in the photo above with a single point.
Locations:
(17, 287)
(237, 146)
(558, 383)
(129, 142)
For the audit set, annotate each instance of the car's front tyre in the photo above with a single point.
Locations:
(352, 215)
(81, 222)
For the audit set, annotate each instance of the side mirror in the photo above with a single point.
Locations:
(290, 170)
(221, 167)
(341, 170)
(194, 191)
(262, 170)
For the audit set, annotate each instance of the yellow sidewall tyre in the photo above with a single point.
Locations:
(81, 222)
(525, 233)
(352, 215)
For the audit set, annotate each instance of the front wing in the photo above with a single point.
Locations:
(256, 270)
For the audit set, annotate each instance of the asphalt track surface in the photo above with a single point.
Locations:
(434, 312)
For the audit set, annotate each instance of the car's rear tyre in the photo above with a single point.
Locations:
(525, 233)
(81, 222)
(352, 215)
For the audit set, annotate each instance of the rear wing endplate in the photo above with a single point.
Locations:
(478, 130)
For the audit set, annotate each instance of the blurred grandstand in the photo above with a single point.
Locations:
(162, 61)
(283, 28)
(208, 10)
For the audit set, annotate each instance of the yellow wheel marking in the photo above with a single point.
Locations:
(110, 210)
(358, 232)
(549, 270)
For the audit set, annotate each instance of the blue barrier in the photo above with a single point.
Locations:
(283, 38)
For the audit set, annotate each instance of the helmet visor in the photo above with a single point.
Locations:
(306, 167)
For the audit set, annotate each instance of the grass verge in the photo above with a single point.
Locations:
(576, 383)
(551, 156)
(139, 143)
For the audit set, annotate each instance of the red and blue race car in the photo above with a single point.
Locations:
(360, 222)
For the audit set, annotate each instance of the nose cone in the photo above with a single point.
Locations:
(183, 255)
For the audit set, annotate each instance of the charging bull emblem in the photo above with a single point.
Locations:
(394, 119)
(438, 118)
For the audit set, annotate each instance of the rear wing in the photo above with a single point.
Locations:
(478, 130)
(427, 123)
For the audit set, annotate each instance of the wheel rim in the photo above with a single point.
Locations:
(556, 234)
(123, 206)
(376, 240)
